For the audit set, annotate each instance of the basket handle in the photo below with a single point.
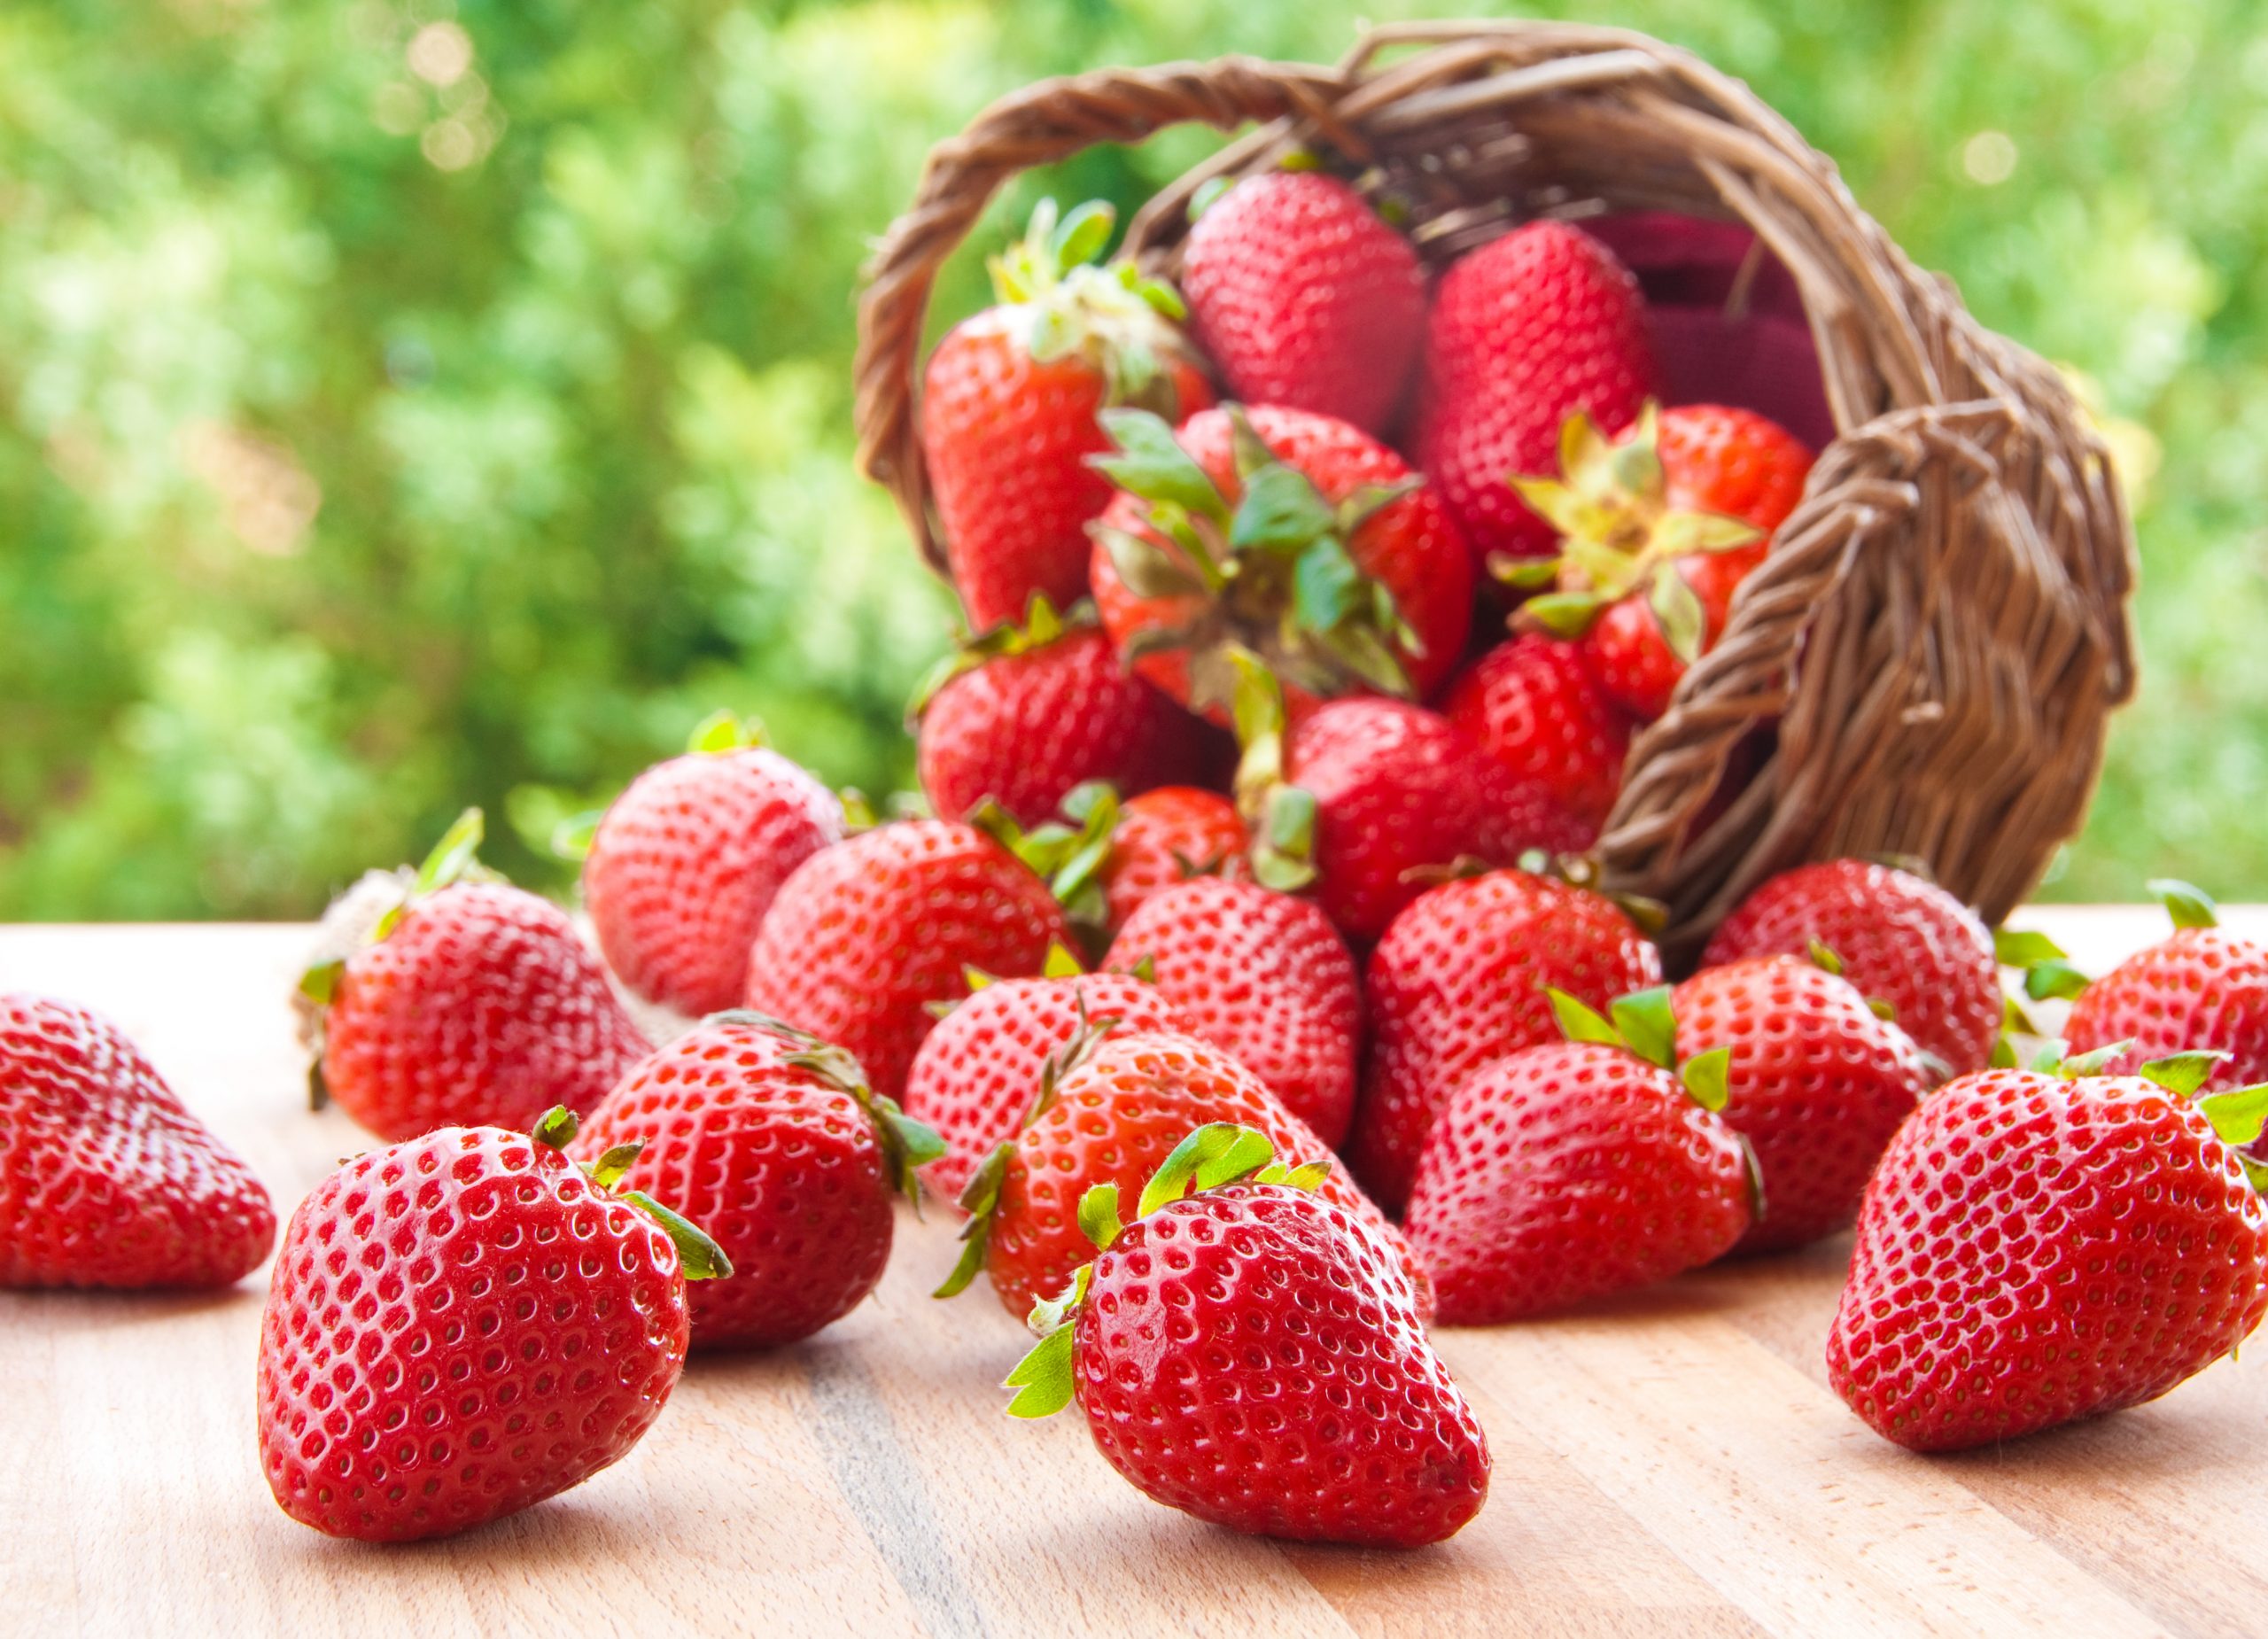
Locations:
(1040, 125)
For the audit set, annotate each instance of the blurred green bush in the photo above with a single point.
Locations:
(409, 405)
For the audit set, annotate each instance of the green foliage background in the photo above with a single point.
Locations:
(373, 443)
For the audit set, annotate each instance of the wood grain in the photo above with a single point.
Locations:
(1671, 1463)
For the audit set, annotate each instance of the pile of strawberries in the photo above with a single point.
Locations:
(1233, 995)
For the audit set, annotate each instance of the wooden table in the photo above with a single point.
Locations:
(1670, 1463)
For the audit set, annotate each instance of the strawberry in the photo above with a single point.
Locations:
(1165, 837)
(1533, 705)
(1658, 531)
(2034, 1249)
(1397, 791)
(1281, 534)
(1025, 714)
(770, 1139)
(1898, 937)
(996, 1056)
(866, 934)
(684, 864)
(1009, 403)
(105, 1178)
(1571, 1170)
(1525, 330)
(472, 1003)
(463, 1325)
(1252, 1354)
(2204, 987)
(1459, 979)
(1263, 975)
(1112, 1119)
(1817, 1084)
(1303, 297)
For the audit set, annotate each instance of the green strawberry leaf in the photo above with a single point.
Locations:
(1685, 625)
(2189, 906)
(1579, 1021)
(2093, 1061)
(1215, 1154)
(2239, 1115)
(572, 837)
(1150, 462)
(1209, 194)
(979, 1197)
(2021, 947)
(700, 1257)
(1042, 1379)
(2004, 1053)
(1523, 574)
(724, 731)
(1644, 1023)
(1060, 964)
(1708, 1077)
(1824, 958)
(2182, 1074)
(1326, 588)
(451, 856)
(1080, 237)
(1281, 511)
(608, 1169)
(2053, 979)
(1098, 1215)
(320, 983)
(556, 1127)
(1563, 614)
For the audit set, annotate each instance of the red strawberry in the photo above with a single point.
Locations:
(1281, 534)
(1398, 791)
(1265, 976)
(1253, 1355)
(1533, 705)
(1459, 979)
(1899, 939)
(1817, 1085)
(1303, 298)
(1034, 711)
(770, 1139)
(2034, 1249)
(2205, 988)
(1525, 330)
(866, 934)
(106, 1178)
(463, 1325)
(1165, 837)
(1658, 530)
(685, 864)
(1114, 1118)
(1008, 409)
(1565, 1172)
(992, 1059)
(473, 1004)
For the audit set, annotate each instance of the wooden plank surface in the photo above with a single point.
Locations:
(1671, 1462)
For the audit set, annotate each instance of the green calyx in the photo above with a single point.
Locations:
(454, 858)
(907, 1144)
(1211, 1157)
(2048, 974)
(700, 1257)
(2189, 906)
(1067, 854)
(1619, 536)
(1271, 574)
(1280, 816)
(1120, 320)
(1643, 1024)
(1042, 624)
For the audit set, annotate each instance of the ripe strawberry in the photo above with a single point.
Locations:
(463, 1325)
(1303, 297)
(1398, 791)
(684, 864)
(771, 1140)
(995, 1057)
(866, 934)
(1028, 713)
(1459, 979)
(1165, 837)
(1897, 937)
(1008, 409)
(1533, 705)
(1281, 534)
(1658, 531)
(2204, 988)
(1525, 330)
(1263, 975)
(1817, 1085)
(1114, 1118)
(1253, 1355)
(474, 1003)
(106, 1178)
(2034, 1249)
(1569, 1171)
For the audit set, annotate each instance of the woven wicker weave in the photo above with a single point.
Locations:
(1941, 630)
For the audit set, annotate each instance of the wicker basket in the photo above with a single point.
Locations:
(1941, 630)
